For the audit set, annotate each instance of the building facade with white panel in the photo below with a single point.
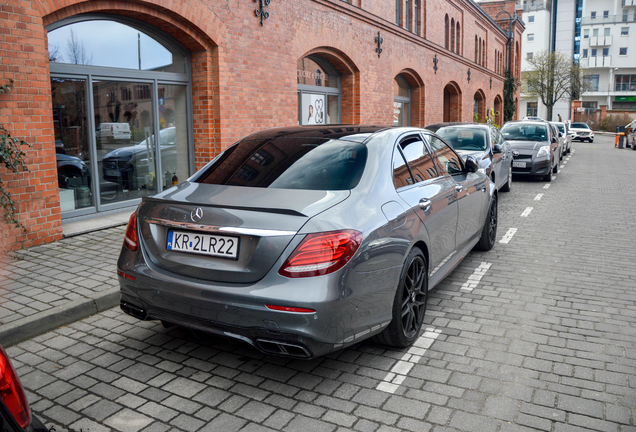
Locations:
(600, 34)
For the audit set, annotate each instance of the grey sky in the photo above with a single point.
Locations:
(111, 44)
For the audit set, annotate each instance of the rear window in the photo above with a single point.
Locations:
(524, 132)
(289, 163)
(464, 138)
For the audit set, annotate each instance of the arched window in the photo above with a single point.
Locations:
(401, 102)
(476, 50)
(457, 41)
(479, 57)
(111, 98)
(318, 91)
(446, 32)
(452, 35)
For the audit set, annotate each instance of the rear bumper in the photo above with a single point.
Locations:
(345, 314)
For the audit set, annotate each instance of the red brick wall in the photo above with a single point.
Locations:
(244, 75)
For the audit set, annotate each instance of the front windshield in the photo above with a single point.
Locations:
(579, 126)
(463, 138)
(524, 132)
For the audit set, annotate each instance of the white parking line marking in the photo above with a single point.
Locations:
(546, 186)
(538, 197)
(562, 166)
(400, 370)
(473, 279)
(508, 235)
(526, 212)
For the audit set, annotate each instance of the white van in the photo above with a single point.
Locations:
(113, 131)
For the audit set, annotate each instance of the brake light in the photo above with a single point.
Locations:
(125, 275)
(321, 254)
(130, 239)
(12, 393)
(289, 309)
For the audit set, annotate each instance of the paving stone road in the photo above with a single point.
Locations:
(538, 334)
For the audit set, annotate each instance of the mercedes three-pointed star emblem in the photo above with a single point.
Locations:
(196, 214)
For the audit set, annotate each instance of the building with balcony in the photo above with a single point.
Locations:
(599, 34)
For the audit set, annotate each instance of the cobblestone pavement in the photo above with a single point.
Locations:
(538, 334)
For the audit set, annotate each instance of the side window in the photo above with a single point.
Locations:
(448, 159)
(418, 158)
(401, 173)
(494, 137)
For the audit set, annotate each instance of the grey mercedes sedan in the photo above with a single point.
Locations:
(305, 240)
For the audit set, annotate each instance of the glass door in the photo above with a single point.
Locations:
(125, 140)
(72, 149)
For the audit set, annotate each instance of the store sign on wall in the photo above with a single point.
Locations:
(316, 77)
(625, 99)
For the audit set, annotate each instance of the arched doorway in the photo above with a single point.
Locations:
(498, 110)
(327, 81)
(110, 101)
(452, 102)
(479, 106)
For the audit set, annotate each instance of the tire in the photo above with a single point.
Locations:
(489, 231)
(409, 303)
(591, 140)
(547, 177)
(508, 185)
(555, 169)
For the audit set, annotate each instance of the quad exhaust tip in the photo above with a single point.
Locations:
(283, 348)
(133, 310)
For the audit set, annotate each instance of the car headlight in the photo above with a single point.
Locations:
(544, 151)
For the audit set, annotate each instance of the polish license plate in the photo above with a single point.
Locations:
(111, 173)
(519, 164)
(203, 244)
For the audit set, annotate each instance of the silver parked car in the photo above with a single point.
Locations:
(535, 148)
(485, 144)
(564, 137)
(304, 240)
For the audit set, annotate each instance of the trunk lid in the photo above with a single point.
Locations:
(262, 222)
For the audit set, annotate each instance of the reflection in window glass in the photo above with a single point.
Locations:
(124, 135)
(71, 143)
(173, 137)
(310, 72)
(463, 138)
(83, 43)
(418, 159)
(401, 174)
(294, 163)
(449, 162)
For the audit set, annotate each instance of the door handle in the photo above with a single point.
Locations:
(459, 188)
(425, 204)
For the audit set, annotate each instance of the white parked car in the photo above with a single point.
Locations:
(564, 135)
(532, 119)
(581, 132)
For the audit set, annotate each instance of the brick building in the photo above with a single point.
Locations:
(96, 81)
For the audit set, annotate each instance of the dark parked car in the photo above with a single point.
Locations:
(535, 148)
(304, 240)
(15, 413)
(484, 143)
(131, 166)
(72, 171)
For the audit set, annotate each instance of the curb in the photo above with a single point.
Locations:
(45, 321)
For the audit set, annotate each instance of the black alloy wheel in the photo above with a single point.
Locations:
(489, 231)
(413, 299)
(409, 303)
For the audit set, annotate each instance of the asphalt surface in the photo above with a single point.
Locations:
(538, 334)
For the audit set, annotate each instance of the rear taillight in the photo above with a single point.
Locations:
(12, 393)
(322, 253)
(130, 239)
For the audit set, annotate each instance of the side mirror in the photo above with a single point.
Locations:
(554, 140)
(471, 164)
(498, 148)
